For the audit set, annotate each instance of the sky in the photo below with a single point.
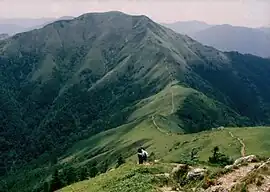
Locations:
(250, 13)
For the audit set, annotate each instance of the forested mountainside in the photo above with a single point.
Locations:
(74, 79)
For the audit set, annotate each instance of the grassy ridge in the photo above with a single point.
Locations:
(172, 147)
(129, 177)
(169, 147)
(168, 143)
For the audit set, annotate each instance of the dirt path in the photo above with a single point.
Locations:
(172, 111)
(158, 128)
(172, 103)
(226, 182)
(171, 77)
(243, 148)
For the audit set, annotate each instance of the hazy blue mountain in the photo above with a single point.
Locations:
(225, 37)
(265, 29)
(232, 38)
(18, 25)
(187, 27)
(10, 29)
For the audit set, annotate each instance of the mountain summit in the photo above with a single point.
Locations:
(75, 78)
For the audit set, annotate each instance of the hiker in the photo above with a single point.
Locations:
(142, 155)
(145, 154)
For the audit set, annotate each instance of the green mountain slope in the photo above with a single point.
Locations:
(129, 177)
(78, 78)
(164, 146)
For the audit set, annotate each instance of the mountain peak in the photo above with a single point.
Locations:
(110, 14)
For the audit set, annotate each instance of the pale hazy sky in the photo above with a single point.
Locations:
(251, 13)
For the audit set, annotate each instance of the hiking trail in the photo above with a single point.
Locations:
(171, 90)
(228, 181)
(158, 128)
(242, 174)
(243, 148)
(172, 103)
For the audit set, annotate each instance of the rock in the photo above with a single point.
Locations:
(179, 171)
(180, 167)
(199, 190)
(217, 189)
(229, 167)
(166, 175)
(196, 173)
(247, 159)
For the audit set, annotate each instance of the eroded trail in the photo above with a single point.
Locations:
(172, 102)
(171, 89)
(228, 181)
(243, 148)
(172, 111)
(158, 128)
(245, 175)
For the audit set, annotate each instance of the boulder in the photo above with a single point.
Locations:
(229, 167)
(247, 159)
(179, 171)
(180, 167)
(196, 173)
(166, 175)
(221, 128)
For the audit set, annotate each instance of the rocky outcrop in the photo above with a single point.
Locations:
(247, 159)
(247, 172)
(196, 173)
(180, 168)
(184, 173)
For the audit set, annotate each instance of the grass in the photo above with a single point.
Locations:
(129, 177)
(169, 147)
(161, 103)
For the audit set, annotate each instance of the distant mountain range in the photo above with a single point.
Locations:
(245, 40)
(13, 26)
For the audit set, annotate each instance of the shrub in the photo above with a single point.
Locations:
(219, 158)
(120, 161)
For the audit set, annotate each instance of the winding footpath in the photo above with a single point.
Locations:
(158, 128)
(243, 148)
(171, 84)
(231, 179)
(172, 103)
